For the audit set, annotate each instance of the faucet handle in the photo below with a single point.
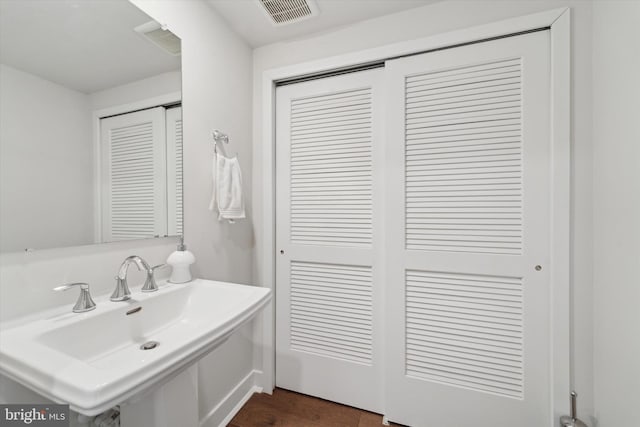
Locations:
(82, 285)
(84, 302)
(150, 284)
(158, 266)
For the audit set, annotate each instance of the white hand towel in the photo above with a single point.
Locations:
(227, 188)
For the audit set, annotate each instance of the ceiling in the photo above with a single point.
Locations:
(90, 45)
(85, 45)
(249, 20)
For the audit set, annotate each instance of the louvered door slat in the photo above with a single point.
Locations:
(490, 68)
(315, 285)
(337, 153)
(463, 292)
(338, 177)
(462, 102)
(330, 97)
(325, 143)
(464, 109)
(439, 158)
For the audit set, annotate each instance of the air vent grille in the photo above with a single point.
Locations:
(289, 11)
(161, 37)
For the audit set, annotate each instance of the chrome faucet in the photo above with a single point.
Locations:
(122, 292)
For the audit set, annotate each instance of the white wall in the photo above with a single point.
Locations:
(216, 94)
(46, 173)
(144, 89)
(27, 278)
(216, 71)
(448, 16)
(216, 75)
(616, 202)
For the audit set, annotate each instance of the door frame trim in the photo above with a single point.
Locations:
(559, 21)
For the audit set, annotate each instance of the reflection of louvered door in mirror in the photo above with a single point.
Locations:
(468, 202)
(140, 153)
(328, 223)
(174, 171)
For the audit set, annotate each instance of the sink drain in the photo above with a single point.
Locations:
(149, 345)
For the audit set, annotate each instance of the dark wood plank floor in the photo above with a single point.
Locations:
(286, 408)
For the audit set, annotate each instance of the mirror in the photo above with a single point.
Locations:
(90, 124)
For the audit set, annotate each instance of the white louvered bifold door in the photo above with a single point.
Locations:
(174, 171)
(468, 222)
(328, 334)
(133, 184)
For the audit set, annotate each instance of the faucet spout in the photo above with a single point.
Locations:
(122, 291)
(133, 259)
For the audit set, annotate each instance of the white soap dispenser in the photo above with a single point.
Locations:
(180, 262)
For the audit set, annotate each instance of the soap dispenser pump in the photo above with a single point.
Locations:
(180, 262)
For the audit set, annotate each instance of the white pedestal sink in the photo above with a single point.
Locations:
(172, 404)
(94, 360)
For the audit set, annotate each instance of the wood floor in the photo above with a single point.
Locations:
(286, 408)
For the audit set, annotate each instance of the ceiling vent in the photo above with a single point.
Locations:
(284, 12)
(160, 36)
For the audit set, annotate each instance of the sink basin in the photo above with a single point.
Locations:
(94, 360)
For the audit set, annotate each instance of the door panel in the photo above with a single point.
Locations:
(328, 320)
(468, 222)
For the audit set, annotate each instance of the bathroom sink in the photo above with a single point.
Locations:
(96, 360)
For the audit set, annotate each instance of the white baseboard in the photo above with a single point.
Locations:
(260, 378)
(228, 407)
